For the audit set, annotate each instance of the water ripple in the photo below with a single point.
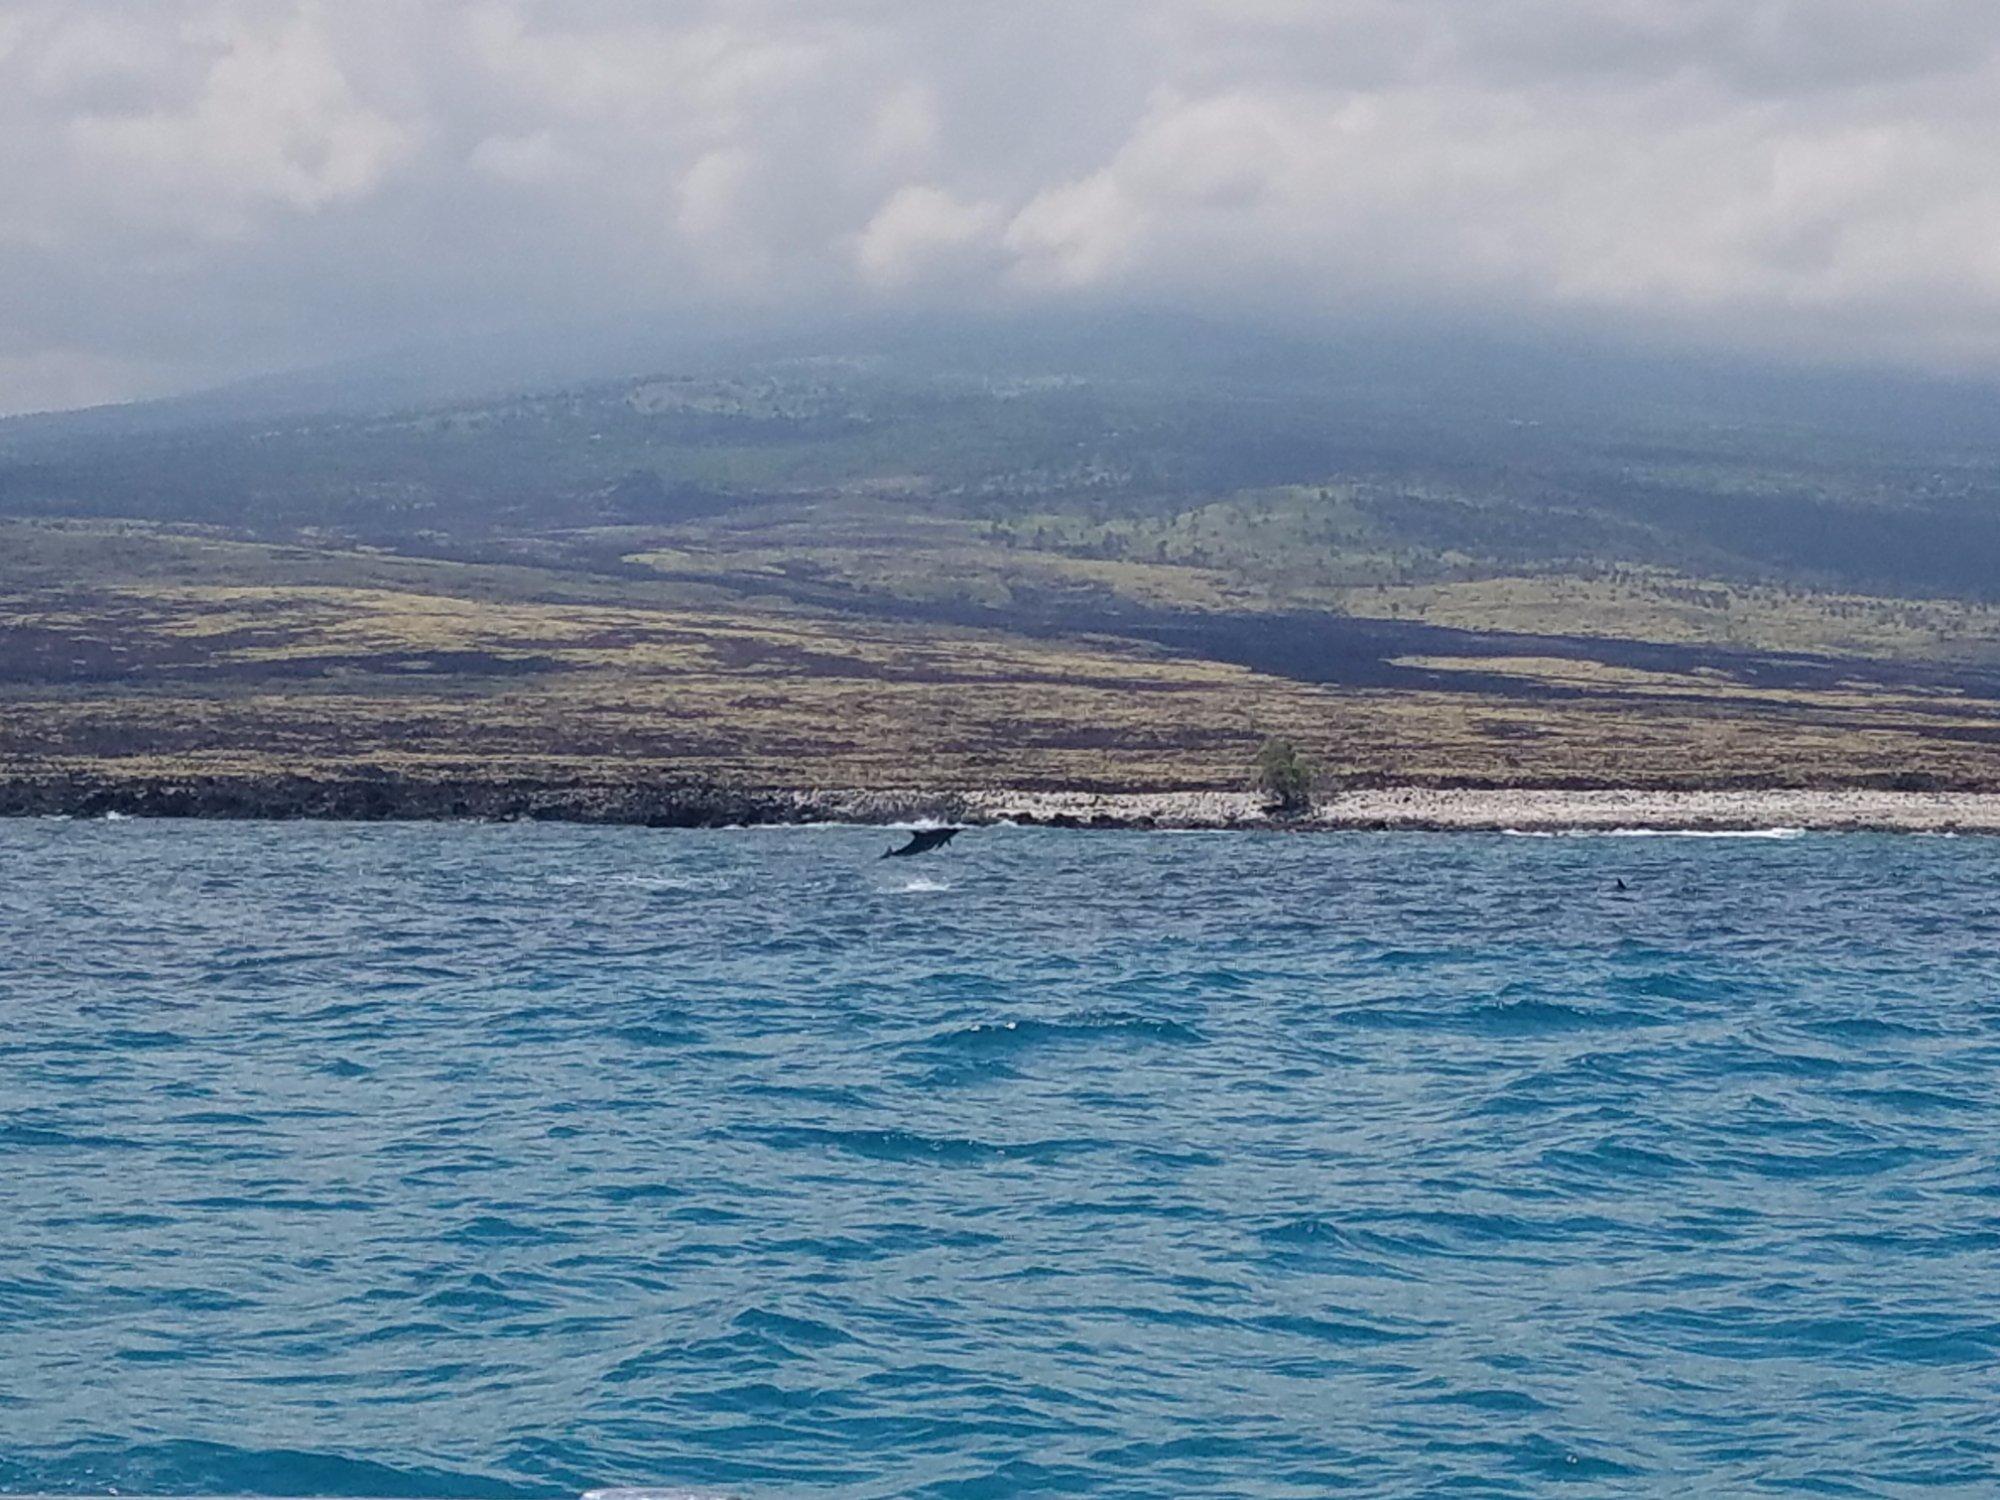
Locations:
(507, 1162)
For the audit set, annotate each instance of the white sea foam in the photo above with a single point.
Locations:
(1654, 833)
(1699, 833)
(815, 825)
(923, 883)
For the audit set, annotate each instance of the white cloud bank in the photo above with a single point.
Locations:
(193, 187)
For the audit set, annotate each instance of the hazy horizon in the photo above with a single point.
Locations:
(202, 191)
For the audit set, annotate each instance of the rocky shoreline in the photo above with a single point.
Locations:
(1522, 810)
(694, 805)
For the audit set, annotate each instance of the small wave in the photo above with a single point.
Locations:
(913, 1146)
(481, 1294)
(1504, 1402)
(1089, 1027)
(1677, 985)
(1529, 1017)
(1616, 1161)
(192, 1466)
(1869, 1029)
(1910, 1100)
(1356, 1330)
(644, 882)
(1498, 1017)
(498, 1229)
(38, 1135)
(1406, 958)
(791, 1330)
(644, 1035)
(639, 1192)
(921, 883)
(1327, 1247)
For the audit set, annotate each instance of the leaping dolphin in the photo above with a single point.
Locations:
(923, 840)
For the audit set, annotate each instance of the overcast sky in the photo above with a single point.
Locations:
(192, 189)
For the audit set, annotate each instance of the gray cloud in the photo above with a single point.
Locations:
(195, 188)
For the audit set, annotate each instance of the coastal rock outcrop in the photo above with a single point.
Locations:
(672, 804)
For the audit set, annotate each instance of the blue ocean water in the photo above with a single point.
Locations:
(493, 1161)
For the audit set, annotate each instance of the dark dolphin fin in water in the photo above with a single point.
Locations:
(923, 840)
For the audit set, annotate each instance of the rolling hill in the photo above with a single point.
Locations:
(1118, 556)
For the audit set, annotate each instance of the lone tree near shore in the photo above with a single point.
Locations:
(1286, 777)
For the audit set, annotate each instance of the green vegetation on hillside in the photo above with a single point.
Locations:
(868, 573)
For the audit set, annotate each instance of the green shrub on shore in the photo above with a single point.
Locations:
(1285, 776)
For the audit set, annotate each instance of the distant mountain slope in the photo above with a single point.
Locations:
(1393, 461)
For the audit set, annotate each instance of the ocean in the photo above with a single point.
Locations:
(516, 1160)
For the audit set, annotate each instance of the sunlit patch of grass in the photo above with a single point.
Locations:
(1672, 609)
(1292, 550)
